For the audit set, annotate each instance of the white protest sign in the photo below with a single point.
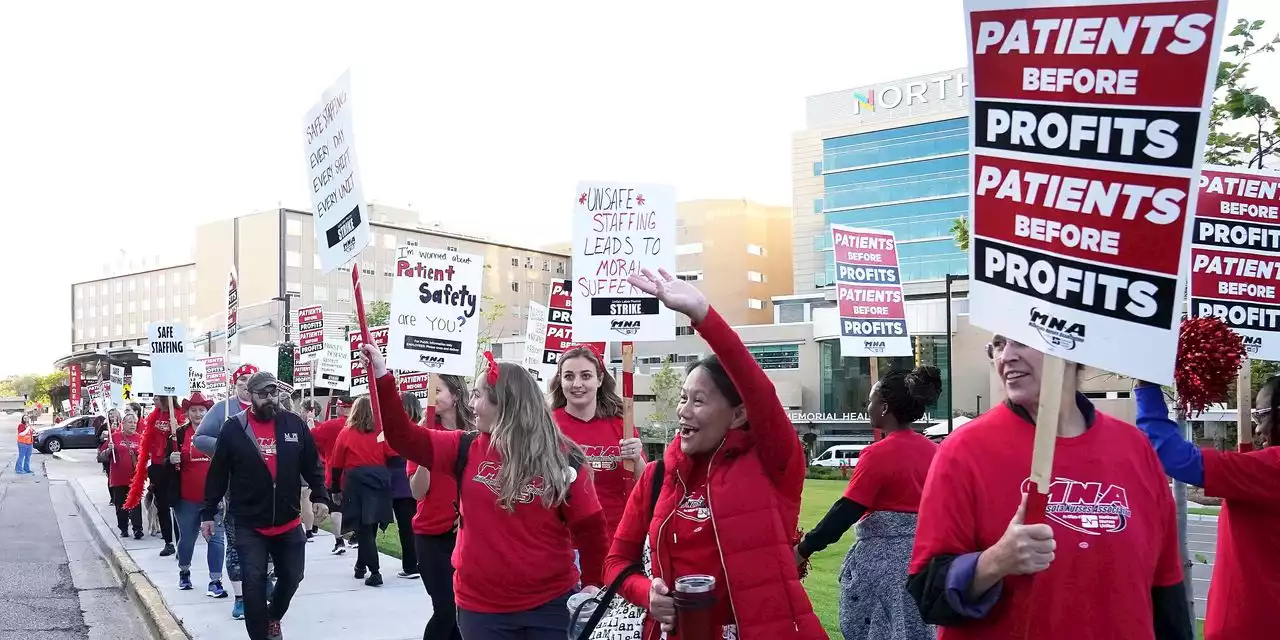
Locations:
(117, 385)
(435, 297)
(333, 368)
(170, 372)
(618, 229)
(535, 334)
(195, 376)
(360, 377)
(341, 221)
(311, 331)
(140, 387)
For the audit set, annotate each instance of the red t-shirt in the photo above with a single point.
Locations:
(265, 432)
(692, 540)
(127, 450)
(355, 449)
(890, 474)
(598, 439)
(195, 467)
(436, 514)
(1246, 573)
(1112, 516)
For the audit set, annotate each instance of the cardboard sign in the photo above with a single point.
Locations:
(360, 377)
(75, 382)
(333, 368)
(873, 317)
(619, 229)
(233, 306)
(170, 371)
(418, 383)
(1235, 255)
(435, 298)
(559, 334)
(215, 376)
(302, 375)
(535, 335)
(195, 376)
(310, 330)
(1085, 143)
(141, 384)
(341, 220)
(117, 389)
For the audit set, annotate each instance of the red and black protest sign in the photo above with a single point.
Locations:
(233, 305)
(360, 377)
(310, 329)
(1087, 127)
(417, 383)
(1235, 255)
(560, 324)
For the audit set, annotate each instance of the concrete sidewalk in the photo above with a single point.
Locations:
(330, 602)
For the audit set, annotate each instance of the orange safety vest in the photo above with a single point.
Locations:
(26, 435)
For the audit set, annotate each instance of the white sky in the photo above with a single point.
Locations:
(128, 123)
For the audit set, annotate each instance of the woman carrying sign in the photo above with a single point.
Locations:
(1246, 574)
(1105, 561)
(163, 458)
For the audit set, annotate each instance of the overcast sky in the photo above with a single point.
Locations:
(129, 123)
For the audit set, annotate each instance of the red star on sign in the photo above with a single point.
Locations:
(640, 199)
(582, 199)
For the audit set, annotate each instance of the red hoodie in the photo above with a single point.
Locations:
(1246, 573)
(436, 514)
(598, 438)
(749, 490)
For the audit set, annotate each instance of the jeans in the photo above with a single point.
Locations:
(24, 459)
(367, 554)
(405, 509)
(288, 551)
(233, 556)
(188, 515)
(123, 518)
(546, 622)
(435, 563)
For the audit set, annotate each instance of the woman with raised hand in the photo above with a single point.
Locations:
(883, 498)
(1246, 575)
(729, 503)
(526, 500)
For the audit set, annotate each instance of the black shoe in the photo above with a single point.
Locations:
(168, 550)
(374, 580)
(124, 533)
(137, 535)
(360, 571)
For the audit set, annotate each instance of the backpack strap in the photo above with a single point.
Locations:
(460, 467)
(655, 486)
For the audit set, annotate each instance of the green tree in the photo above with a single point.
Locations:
(960, 229)
(378, 313)
(1244, 126)
(45, 385)
(20, 385)
(665, 385)
(491, 311)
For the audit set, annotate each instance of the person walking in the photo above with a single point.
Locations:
(194, 469)
(587, 408)
(403, 504)
(435, 525)
(325, 435)
(360, 479)
(883, 498)
(121, 454)
(112, 431)
(1106, 560)
(1246, 575)
(728, 503)
(161, 466)
(26, 440)
(526, 501)
(262, 455)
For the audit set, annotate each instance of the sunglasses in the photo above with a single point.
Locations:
(1260, 415)
(269, 392)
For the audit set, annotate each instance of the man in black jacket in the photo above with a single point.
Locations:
(261, 456)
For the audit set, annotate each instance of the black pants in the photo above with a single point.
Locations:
(288, 552)
(405, 509)
(435, 563)
(367, 554)
(549, 621)
(123, 518)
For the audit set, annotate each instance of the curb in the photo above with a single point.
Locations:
(162, 623)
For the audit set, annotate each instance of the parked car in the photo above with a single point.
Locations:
(841, 455)
(80, 432)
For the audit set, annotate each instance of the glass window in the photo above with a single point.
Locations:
(515, 286)
(293, 226)
(292, 259)
(515, 262)
(776, 356)
(546, 264)
(755, 250)
(546, 291)
(790, 313)
(133, 305)
(319, 293)
(907, 220)
(894, 145)
(119, 329)
(560, 267)
(755, 276)
(119, 308)
(754, 303)
(689, 249)
(817, 205)
(515, 311)
(895, 182)
(817, 168)
(846, 382)
(133, 285)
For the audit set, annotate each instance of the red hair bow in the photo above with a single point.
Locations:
(492, 376)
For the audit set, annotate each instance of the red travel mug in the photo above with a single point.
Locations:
(694, 598)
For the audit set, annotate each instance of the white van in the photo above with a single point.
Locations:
(841, 455)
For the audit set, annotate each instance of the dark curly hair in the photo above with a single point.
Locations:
(908, 393)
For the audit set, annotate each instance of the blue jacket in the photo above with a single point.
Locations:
(1181, 459)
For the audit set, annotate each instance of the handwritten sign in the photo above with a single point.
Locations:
(333, 368)
(619, 229)
(360, 377)
(341, 221)
(310, 330)
(170, 372)
(434, 300)
(873, 317)
(535, 333)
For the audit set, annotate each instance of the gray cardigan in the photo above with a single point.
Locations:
(206, 436)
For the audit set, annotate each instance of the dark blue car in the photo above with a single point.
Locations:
(80, 432)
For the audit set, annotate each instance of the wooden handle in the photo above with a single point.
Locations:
(628, 397)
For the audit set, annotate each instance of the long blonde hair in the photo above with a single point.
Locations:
(361, 416)
(528, 440)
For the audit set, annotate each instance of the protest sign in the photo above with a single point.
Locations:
(215, 376)
(360, 377)
(1087, 127)
(333, 368)
(303, 374)
(75, 382)
(619, 229)
(195, 376)
(560, 332)
(310, 331)
(873, 318)
(117, 385)
(233, 307)
(1235, 255)
(341, 221)
(434, 300)
(418, 383)
(140, 385)
(535, 336)
(170, 371)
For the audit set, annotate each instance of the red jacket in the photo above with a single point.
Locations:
(753, 489)
(159, 421)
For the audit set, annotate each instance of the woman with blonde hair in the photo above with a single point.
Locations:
(526, 501)
(360, 480)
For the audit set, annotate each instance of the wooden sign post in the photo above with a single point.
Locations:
(1244, 406)
(628, 397)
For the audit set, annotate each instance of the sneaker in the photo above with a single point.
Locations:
(273, 630)
(137, 535)
(409, 575)
(168, 550)
(360, 573)
(374, 580)
(124, 533)
(339, 547)
(237, 609)
(311, 536)
(184, 581)
(215, 589)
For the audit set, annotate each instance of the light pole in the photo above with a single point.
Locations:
(951, 408)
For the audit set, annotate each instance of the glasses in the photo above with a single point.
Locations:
(1260, 415)
(269, 392)
(998, 344)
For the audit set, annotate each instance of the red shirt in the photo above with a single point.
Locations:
(598, 439)
(159, 419)
(693, 548)
(1246, 573)
(265, 432)
(1112, 516)
(436, 514)
(127, 448)
(195, 467)
(355, 449)
(890, 474)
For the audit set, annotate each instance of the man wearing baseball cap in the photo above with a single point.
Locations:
(261, 457)
(326, 435)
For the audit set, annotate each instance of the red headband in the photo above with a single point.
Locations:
(492, 376)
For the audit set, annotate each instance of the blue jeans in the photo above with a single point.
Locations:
(24, 459)
(188, 516)
(549, 621)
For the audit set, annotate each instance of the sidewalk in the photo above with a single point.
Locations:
(330, 602)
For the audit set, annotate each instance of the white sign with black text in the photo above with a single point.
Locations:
(170, 371)
(341, 219)
(435, 298)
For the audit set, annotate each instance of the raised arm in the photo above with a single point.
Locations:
(405, 437)
(1242, 477)
(1181, 459)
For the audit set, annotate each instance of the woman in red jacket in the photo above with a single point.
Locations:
(435, 527)
(121, 452)
(586, 406)
(527, 501)
(162, 457)
(359, 477)
(729, 503)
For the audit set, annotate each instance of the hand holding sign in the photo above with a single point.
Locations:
(373, 360)
(676, 294)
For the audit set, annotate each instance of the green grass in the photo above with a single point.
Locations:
(1204, 511)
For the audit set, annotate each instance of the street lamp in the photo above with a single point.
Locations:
(951, 408)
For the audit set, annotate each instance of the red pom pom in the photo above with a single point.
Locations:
(1209, 357)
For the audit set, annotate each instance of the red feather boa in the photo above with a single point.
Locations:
(1209, 357)
(149, 435)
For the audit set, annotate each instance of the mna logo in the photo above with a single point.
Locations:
(865, 100)
(626, 327)
(431, 362)
(1057, 332)
(874, 346)
(1252, 344)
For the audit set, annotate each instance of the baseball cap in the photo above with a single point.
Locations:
(261, 380)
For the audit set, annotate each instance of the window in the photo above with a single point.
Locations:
(133, 285)
(292, 259)
(119, 286)
(528, 262)
(159, 303)
(754, 303)
(515, 286)
(755, 276)
(319, 293)
(817, 205)
(546, 291)
(293, 226)
(79, 293)
(776, 356)
(93, 333)
(790, 313)
(528, 287)
(79, 313)
(689, 276)
(936, 177)
(515, 311)
(686, 330)
(366, 271)
(159, 280)
(560, 267)
(177, 302)
(496, 350)
(103, 311)
(79, 334)
(133, 328)
(118, 329)
(119, 308)
(133, 305)
(315, 259)
(688, 249)
(146, 284)
(546, 264)
(344, 295)
(515, 262)
(146, 304)
(388, 241)
(755, 250)
(817, 168)
(386, 271)
(896, 145)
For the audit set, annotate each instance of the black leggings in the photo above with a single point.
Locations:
(367, 553)
(164, 517)
(405, 509)
(123, 518)
(435, 563)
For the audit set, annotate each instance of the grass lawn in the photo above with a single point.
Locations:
(1203, 511)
